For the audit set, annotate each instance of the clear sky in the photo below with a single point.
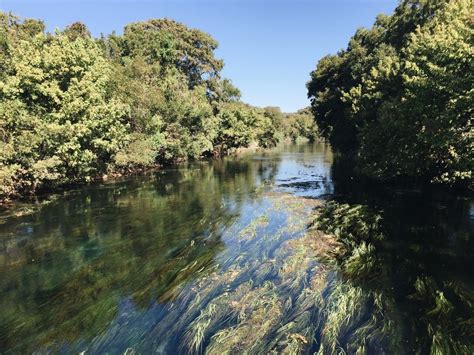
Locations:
(269, 46)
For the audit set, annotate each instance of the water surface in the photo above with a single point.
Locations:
(216, 256)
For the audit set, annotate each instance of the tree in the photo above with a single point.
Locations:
(399, 98)
(58, 120)
(300, 125)
(77, 30)
(171, 43)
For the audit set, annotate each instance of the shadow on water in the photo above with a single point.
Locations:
(216, 256)
(421, 264)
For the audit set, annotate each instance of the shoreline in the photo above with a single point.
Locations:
(42, 194)
(358, 180)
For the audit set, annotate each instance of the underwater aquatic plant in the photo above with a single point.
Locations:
(350, 224)
(442, 327)
(451, 331)
(362, 262)
(356, 229)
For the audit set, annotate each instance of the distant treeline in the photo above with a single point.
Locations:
(400, 99)
(73, 107)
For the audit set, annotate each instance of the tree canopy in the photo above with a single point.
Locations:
(399, 99)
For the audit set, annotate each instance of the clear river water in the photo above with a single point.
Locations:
(216, 257)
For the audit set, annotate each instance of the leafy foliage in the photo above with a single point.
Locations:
(59, 121)
(356, 228)
(443, 309)
(399, 98)
(300, 125)
(73, 107)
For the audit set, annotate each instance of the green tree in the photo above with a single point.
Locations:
(59, 122)
(235, 119)
(399, 98)
(172, 43)
(300, 125)
(73, 108)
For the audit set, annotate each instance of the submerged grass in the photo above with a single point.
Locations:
(250, 231)
(263, 298)
(292, 283)
(365, 321)
(451, 330)
(278, 290)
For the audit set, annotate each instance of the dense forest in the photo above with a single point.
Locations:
(74, 107)
(399, 100)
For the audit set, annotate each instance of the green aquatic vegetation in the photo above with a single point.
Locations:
(344, 307)
(207, 289)
(296, 344)
(350, 224)
(443, 307)
(198, 328)
(298, 265)
(258, 312)
(302, 312)
(57, 283)
(450, 331)
(264, 271)
(255, 303)
(360, 232)
(357, 229)
(425, 287)
(250, 231)
(462, 293)
(291, 288)
(362, 262)
(356, 320)
(443, 343)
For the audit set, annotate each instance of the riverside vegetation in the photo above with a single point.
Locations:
(397, 107)
(399, 100)
(73, 107)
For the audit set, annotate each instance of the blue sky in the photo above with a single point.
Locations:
(269, 47)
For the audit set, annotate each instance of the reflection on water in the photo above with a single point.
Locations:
(214, 257)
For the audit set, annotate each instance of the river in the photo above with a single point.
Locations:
(216, 256)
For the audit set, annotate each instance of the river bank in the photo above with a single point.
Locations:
(41, 195)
